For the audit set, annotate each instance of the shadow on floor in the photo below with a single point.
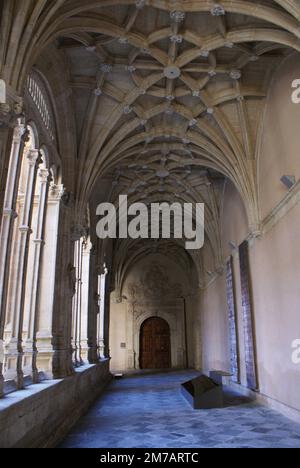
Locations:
(232, 398)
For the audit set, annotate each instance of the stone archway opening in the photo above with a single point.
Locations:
(155, 344)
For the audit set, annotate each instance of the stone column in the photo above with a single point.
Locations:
(6, 144)
(85, 299)
(81, 296)
(107, 314)
(7, 224)
(100, 321)
(64, 291)
(15, 348)
(30, 358)
(75, 305)
(45, 298)
(79, 239)
(93, 309)
(102, 309)
(10, 111)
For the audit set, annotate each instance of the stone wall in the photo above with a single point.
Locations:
(42, 415)
(274, 259)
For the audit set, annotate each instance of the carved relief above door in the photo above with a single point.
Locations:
(154, 284)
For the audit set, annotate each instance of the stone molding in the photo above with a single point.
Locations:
(289, 201)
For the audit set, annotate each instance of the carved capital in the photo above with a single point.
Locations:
(5, 115)
(10, 111)
(56, 191)
(18, 106)
(102, 269)
(9, 213)
(254, 234)
(66, 197)
(20, 132)
(33, 157)
(77, 232)
(44, 176)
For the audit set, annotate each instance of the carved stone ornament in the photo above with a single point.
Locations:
(66, 197)
(78, 231)
(9, 112)
(154, 284)
(56, 191)
(5, 115)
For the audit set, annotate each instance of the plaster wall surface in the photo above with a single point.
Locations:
(274, 259)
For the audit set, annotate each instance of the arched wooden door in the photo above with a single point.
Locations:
(155, 344)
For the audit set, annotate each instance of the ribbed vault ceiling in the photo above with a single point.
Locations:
(166, 90)
(167, 95)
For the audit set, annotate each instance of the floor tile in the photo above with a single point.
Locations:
(149, 411)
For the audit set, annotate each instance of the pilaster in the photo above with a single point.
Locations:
(64, 290)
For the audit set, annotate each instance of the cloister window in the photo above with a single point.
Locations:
(232, 314)
(38, 94)
(248, 317)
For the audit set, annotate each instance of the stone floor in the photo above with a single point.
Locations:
(149, 411)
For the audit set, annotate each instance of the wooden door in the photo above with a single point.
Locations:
(155, 344)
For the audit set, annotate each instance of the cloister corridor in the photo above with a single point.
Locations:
(149, 222)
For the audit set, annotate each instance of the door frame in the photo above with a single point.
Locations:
(173, 315)
(169, 344)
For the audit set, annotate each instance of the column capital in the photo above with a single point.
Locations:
(87, 248)
(60, 193)
(33, 156)
(39, 241)
(77, 232)
(102, 269)
(9, 213)
(20, 132)
(5, 115)
(254, 234)
(10, 112)
(25, 229)
(56, 191)
(44, 176)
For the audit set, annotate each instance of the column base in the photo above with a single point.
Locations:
(93, 355)
(44, 359)
(28, 354)
(62, 363)
(10, 359)
(1, 381)
(84, 351)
